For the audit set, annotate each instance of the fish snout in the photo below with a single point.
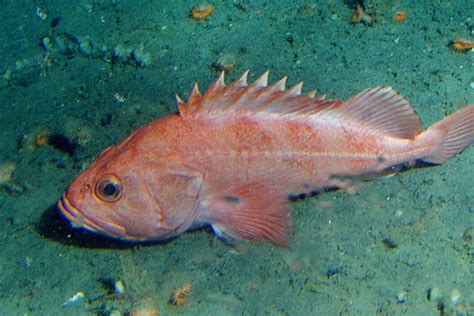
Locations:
(88, 221)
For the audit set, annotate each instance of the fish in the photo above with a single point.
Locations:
(231, 158)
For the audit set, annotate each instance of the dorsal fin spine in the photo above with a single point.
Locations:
(296, 89)
(195, 98)
(279, 86)
(242, 82)
(182, 107)
(262, 81)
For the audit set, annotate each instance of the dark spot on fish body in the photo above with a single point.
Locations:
(232, 199)
(294, 197)
(422, 164)
(401, 167)
(381, 159)
(297, 197)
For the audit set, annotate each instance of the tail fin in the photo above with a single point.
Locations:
(454, 133)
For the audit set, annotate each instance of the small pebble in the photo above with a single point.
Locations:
(402, 297)
(78, 297)
(455, 297)
(435, 295)
(119, 287)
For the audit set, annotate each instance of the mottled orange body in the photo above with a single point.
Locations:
(400, 16)
(42, 138)
(202, 12)
(231, 157)
(461, 45)
(360, 16)
(181, 295)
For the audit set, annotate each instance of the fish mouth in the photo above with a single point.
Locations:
(78, 219)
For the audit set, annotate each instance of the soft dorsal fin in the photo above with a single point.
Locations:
(241, 97)
(380, 108)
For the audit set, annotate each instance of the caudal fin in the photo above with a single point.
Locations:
(454, 133)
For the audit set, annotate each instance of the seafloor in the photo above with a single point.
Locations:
(78, 76)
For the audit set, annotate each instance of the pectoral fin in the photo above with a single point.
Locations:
(252, 211)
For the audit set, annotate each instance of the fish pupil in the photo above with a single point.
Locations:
(110, 189)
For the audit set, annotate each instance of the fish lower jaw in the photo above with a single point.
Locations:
(78, 220)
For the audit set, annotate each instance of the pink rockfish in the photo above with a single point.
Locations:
(231, 158)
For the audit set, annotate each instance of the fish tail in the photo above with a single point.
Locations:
(449, 136)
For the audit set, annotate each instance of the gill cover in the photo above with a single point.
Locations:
(175, 190)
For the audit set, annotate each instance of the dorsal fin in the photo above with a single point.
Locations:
(381, 108)
(241, 97)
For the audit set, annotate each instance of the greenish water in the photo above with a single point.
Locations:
(87, 73)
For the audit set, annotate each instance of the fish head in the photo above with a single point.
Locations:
(132, 197)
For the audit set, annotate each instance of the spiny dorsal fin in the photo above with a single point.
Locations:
(241, 97)
(381, 108)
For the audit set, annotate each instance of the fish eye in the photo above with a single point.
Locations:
(109, 189)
